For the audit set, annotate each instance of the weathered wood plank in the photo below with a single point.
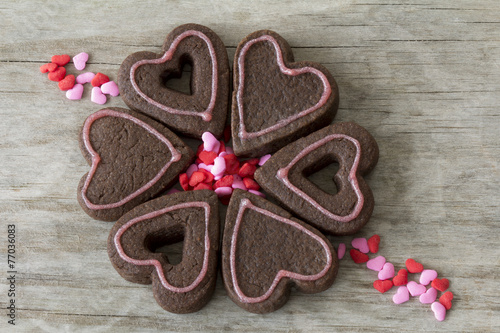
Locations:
(422, 77)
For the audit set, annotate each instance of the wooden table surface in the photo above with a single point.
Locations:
(422, 76)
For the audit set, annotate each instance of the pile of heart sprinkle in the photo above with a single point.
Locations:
(217, 168)
(101, 84)
(387, 277)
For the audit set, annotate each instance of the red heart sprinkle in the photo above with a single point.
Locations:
(207, 157)
(200, 149)
(373, 243)
(222, 147)
(184, 181)
(99, 79)
(196, 178)
(445, 299)
(253, 161)
(251, 184)
(202, 186)
(247, 170)
(67, 83)
(227, 133)
(50, 67)
(440, 284)
(413, 266)
(359, 257)
(58, 74)
(382, 285)
(60, 60)
(225, 181)
(208, 176)
(225, 199)
(401, 279)
(232, 164)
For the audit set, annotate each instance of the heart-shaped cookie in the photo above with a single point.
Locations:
(284, 176)
(142, 81)
(134, 240)
(265, 251)
(132, 158)
(277, 100)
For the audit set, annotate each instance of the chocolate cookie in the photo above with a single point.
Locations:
(277, 100)
(265, 251)
(132, 158)
(283, 176)
(189, 216)
(143, 75)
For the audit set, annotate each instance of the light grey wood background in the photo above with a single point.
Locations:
(421, 76)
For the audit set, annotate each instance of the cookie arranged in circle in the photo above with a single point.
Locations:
(143, 78)
(277, 100)
(284, 176)
(132, 157)
(265, 251)
(191, 217)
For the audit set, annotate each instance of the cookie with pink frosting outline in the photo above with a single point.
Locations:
(266, 252)
(284, 177)
(277, 100)
(191, 217)
(143, 75)
(132, 159)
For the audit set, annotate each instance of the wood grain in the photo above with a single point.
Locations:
(422, 76)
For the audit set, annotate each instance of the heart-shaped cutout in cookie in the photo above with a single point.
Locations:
(275, 99)
(142, 77)
(266, 251)
(135, 238)
(132, 159)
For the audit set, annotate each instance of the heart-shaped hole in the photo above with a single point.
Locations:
(179, 80)
(320, 174)
(169, 243)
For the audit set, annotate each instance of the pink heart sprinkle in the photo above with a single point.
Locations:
(172, 191)
(361, 244)
(387, 272)
(110, 88)
(427, 276)
(341, 251)
(75, 93)
(97, 96)
(376, 264)
(85, 78)
(210, 142)
(439, 311)
(229, 150)
(206, 167)
(238, 183)
(260, 194)
(192, 168)
(219, 166)
(401, 296)
(429, 296)
(223, 191)
(80, 60)
(415, 289)
(264, 159)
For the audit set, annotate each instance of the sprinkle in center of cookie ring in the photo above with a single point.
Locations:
(205, 115)
(327, 90)
(156, 263)
(176, 156)
(247, 204)
(282, 175)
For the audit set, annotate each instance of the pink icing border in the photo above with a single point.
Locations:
(282, 175)
(246, 203)
(176, 156)
(285, 70)
(156, 263)
(205, 115)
